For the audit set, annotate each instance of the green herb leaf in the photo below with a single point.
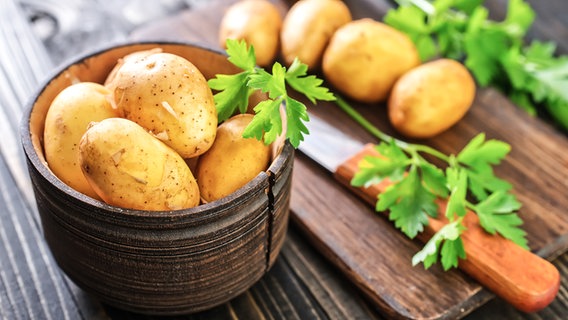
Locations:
(457, 183)
(479, 156)
(234, 92)
(274, 84)
(240, 54)
(413, 21)
(451, 247)
(266, 123)
(484, 50)
(496, 214)
(391, 163)
(434, 179)
(520, 17)
(310, 86)
(296, 114)
(409, 204)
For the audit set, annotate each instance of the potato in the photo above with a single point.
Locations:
(307, 28)
(168, 96)
(232, 161)
(258, 22)
(130, 168)
(431, 98)
(365, 57)
(66, 121)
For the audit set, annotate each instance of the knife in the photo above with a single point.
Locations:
(520, 277)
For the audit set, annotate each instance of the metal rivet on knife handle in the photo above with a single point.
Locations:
(518, 276)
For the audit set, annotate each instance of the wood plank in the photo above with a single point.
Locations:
(32, 286)
(300, 285)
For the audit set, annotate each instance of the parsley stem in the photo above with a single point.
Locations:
(365, 123)
(431, 151)
(409, 147)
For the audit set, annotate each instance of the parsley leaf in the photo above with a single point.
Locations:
(267, 124)
(434, 179)
(478, 156)
(274, 84)
(309, 85)
(409, 204)
(496, 214)
(452, 247)
(457, 183)
(240, 54)
(235, 94)
(413, 22)
(296, 114)
(372, 170)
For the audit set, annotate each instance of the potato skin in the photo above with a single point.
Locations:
(365, 57)
(66, 121)
(130, 168)
(308, 27)
(258, 22)
(232, 161)
(431, 98)
(168, 96)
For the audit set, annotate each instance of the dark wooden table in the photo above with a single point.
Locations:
(303, 284)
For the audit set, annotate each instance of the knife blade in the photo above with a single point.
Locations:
(518, 276)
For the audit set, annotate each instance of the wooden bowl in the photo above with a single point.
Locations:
(157, 262)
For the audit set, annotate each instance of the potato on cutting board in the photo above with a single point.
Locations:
(307, 28)
(431, 98)
(365, 57)
(258, 22)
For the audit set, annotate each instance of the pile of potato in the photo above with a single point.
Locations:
(366, 60)
(131, 141)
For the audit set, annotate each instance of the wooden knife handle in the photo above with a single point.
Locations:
(520, 277)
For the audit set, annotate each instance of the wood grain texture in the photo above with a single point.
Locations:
(302, 284)
(31, 284)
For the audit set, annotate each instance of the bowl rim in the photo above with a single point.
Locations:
(205, 211)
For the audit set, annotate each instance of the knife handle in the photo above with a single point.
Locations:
(518, 276)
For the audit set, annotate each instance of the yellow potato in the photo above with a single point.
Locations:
(130, 168)
(307, 28)
(365, 57)
(258, 22)
(168, 96)
(232, 161)
(67, 120)
(431, 98)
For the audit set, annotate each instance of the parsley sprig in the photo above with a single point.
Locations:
(468, 182)
(494, 51)
(234, 92)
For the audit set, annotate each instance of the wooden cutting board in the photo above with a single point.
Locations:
(365, 245)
